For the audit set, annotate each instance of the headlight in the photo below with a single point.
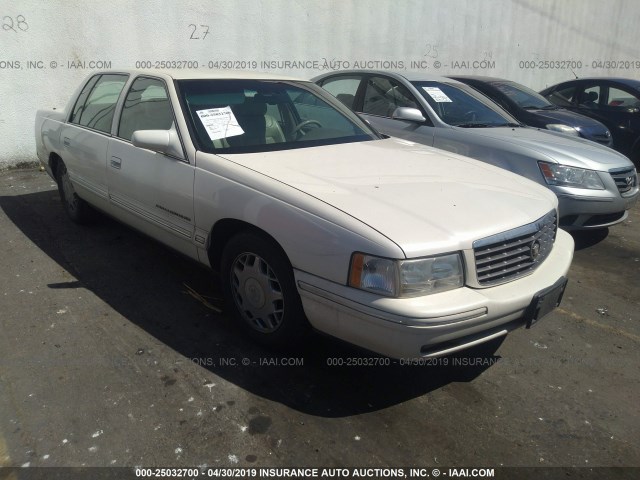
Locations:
(555, 174)
(406, 278)
(558, 127)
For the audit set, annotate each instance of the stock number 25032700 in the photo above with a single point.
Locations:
(163, 64)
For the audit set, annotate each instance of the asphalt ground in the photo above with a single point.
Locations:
(112, 353)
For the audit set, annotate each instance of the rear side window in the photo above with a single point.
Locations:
(146, 107)
(621, 100)
(343, 88)
(97, 110)
(82, 98)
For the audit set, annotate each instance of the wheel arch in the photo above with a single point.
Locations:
(634, 153)
(223, 230)
(54, 161)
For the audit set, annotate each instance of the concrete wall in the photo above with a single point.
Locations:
(47, 47)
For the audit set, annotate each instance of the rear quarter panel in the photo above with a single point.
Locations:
(48, 127)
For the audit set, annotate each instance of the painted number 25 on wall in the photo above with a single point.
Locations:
(15, 24)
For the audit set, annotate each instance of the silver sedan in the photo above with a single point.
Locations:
(595, 185)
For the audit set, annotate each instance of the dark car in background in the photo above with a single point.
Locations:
(531, 108)
(612, 101)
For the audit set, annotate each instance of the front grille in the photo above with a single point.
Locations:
(515, 253)
(603, 219)
(568, 220)
(626, 179)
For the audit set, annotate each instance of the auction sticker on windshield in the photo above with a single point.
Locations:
(437, 94)
(220, 123)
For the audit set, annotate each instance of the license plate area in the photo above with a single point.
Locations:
(544, 302)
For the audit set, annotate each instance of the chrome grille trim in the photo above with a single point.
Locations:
(626, 179)
(509, 255)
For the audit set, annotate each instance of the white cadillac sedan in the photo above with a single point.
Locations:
(311, 218)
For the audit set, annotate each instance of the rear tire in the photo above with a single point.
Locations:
(77, 209)
(259, 288)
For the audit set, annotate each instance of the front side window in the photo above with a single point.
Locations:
(243, 116)
(461, 106)
(146, 107)
(97, 111)
(590, 97)
(383, 95)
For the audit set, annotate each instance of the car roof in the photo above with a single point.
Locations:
(626, 81)
(209, 75)
(410, 76)
(480, 78)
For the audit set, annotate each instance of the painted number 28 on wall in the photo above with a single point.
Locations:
(15, 24)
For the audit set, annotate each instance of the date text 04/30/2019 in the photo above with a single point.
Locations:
(314, 472)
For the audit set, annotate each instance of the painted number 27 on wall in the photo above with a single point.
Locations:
(198, 32)
(15, 24)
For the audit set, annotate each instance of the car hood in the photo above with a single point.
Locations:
(567, 117)
(425, 200)
(556, 147)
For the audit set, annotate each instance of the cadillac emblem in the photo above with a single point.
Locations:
(535, 250)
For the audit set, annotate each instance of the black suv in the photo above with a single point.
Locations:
(612, 101)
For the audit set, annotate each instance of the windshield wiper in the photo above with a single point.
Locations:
(488, 125)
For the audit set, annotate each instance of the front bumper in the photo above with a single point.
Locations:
(581, 212)
(415, 327)
(582, 209)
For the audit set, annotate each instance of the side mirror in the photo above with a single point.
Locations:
(409, 114)
(162, 141)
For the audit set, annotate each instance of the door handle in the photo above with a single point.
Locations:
(116, 162)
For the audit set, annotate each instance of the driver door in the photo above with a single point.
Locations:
(150, 190)
(381, 96)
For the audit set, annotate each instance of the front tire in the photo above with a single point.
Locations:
(77, 209)
(259, 288)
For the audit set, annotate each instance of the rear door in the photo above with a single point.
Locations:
(150, 190)
(85, 138)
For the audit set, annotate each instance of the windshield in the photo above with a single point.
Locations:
(244, 116)
(461, 106)
(523, 96)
